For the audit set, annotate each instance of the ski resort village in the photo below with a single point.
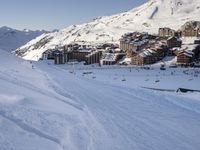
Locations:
(136, 48)
(129, 81)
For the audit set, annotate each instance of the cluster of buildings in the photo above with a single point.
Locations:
(141, 48)
(105, 54)
(144, 48)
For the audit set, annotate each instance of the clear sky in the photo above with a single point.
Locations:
(57, 14)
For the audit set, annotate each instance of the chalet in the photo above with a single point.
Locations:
(188, 54)
(146, 57)
(191, 29)
(173, 42)
(160, 52)
(160, 47)
(185, 58)
(167, 32)
(190, 32)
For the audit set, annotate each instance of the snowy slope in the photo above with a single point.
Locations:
(45, 107)
(35, 113)
(148, 17)
(11, 39)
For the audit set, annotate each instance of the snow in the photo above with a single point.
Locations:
(188, 40)
(147, 53)
(109, 57)
(10, 98)
(148, 17)
(51, 108)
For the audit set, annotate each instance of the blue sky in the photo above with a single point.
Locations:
(57, 14)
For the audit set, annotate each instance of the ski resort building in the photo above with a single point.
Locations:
(143, 48)
(76, 52)
(111, 58)
(46, 55)
(188, 54)
(94, 57)
(185, 58)
(78, 55)
(50, 54)
(133, 43)
(191, 29)
(174, 42)
(190, 33)
(146, 57)
(59, 58)
(167, 32)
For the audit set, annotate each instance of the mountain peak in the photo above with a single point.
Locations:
(5, 28)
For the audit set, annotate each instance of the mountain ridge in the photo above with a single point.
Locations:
(11, 39)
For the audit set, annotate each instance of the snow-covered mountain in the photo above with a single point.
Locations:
(148, 17)
(11, 39)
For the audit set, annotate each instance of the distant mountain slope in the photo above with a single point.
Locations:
(148, 17)
(11, 39)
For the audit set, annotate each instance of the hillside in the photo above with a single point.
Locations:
(11, 39)
(148, 17)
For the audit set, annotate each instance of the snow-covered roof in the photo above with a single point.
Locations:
(109, 57)
(175, 48)
(146, 53)
(94, 52)
(189, 47)
(84, 50)
(117, 49)
(195, 25)
(189, 40)
(173, 37)
(188, 54)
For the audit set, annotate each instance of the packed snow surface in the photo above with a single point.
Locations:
(145, 18)
(74, 107)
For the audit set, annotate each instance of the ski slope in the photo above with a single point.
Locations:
(46, 107)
